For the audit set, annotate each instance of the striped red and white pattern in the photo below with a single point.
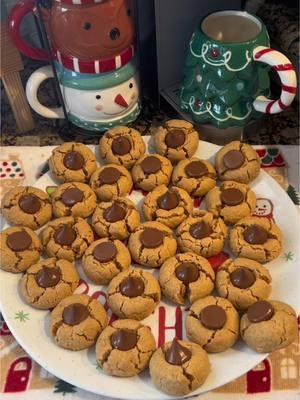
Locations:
(79, 2)
(94, 66)
(286, 72)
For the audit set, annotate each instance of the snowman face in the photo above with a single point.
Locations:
(105, 104)
(264, 207)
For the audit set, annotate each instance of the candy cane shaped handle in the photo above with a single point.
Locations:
(287, 75)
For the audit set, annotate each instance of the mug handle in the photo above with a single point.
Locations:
(14, 21)
(287, 76)
(32, 87)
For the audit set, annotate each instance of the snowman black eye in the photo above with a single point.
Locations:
(130, 85)
(129, 12)
(98, 97)
(114, 34)
(265, 206)
(87, 26)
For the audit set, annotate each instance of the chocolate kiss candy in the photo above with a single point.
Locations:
(233, 159)
(260, 311)
(177, 354)
(187, 272)
(48, 277)
(105, 252)
(114, 213)
(132, 286)
(213, 317)
(109, 176)
(72, 196)
(65, 235)
(19, 241)
(200, 230)
(151, 165)
(75, 313)
(73, 160)
(255, 234)
(29, 203)
(168, 201)
(175, 138)
(196, 169)
(242, 278)
(151, 238)
(121, 146)
(123, 339)
(232, 196)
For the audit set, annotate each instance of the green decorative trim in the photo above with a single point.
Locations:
(291, 191)
(21, 316)
(64, 387)
(288, 256)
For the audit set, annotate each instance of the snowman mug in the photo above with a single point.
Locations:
(95, 102)
(226, 80)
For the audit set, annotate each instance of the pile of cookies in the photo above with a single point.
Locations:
(89, 217)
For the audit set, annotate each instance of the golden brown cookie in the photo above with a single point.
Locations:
(203, 234)
(179, 367)
(243, 281)
(151, 244)
(77, 321)
(195, 176)
(67, 238)
(268, 326)
(104, 259)
(134, 294)
(168, 206)
(232, 201)
(213, 323)
(111, 181)
(49, 281)
(257, 238)
(124, 348)
(176, 140)
(72, 162)
(116, 219)
(27, 206)
(20, 247)
(237, 162)
(122, 145)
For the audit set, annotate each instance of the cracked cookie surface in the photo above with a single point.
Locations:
(104, 259)
(213, 323)
(237, 162)
(72, 162)
(257, 238)
(20, 247)
(151, 244)
(133, 293)
(77, 321)
(268, 326)
(122, 145)
(47, 282)
(243, 281)
(27, 206)
(176, 140)
(124, 348)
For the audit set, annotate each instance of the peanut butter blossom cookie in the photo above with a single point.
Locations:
(257, 238)
(67, 238)
(203, 234)
(124, 348)
(213, 323)
(269, 325)
(237, 162)
(195, 176)
(122, 145)
(111, 181)
(168, 206)
(133, 294)
(77, 321)
(243, 282)
(27, 206)
(72, 162)
(104, 259)
(151, 244)
(20, 247)
(186, 277)
(179, 367)
(49, 281)
(151, 171)
(116, 219)
(176, 140)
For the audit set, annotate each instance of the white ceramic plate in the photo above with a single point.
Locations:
(30, 326)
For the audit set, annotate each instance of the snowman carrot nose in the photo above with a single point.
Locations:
(119, 99)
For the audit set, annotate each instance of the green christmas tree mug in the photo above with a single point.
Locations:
(226, 74)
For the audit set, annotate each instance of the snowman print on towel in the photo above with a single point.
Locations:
(264, 208)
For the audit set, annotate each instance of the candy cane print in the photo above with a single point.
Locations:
(287, 75)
